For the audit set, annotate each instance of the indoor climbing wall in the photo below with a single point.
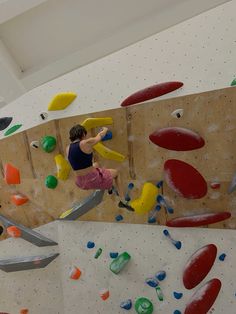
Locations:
(156, 268)
(210, 115)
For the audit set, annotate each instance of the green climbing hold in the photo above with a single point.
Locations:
(48, 143)
(13, 129)
(233, 83)
(119, 263)
(143, 306)
(51, 182)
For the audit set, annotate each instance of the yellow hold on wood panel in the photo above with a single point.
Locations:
(63, 167)
(91, 123)
(61, 101)
(108, 153)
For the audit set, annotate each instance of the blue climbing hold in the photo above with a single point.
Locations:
(170, 210)
(158, 208)
(166, 232)
(130, 186)
(114, 254)
(177, 312)
(177, 295)
(90, 245)
(152, 282)
(119, 218)
(126, 305)
(159, 184)
(152, 220)
(161, 275)
(107, 137)
(222, 257)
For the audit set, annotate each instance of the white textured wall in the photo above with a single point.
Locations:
(200, 52)
(51, 291)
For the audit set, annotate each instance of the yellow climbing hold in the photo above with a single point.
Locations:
(107, 153)
(66, 213)
(91, 123)
(63, 167)
(147, 200)
(61, 101)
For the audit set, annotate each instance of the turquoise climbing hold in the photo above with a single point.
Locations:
(48, 143)
(233, 83)
(51, 182)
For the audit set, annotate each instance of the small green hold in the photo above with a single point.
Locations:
(233, 83)
(48, 143)
(119, 263)
(98, 253)
(143, 306)
(51, 182)
(13, 129)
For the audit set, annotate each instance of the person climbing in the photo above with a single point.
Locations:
(89, 175)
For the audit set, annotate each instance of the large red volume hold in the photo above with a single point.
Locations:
(185, 180)
(151, 92)
(199, 265)
(178, 139)
(198, 220)
(204, 298)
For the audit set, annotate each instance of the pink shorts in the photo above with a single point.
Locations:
(99, 178)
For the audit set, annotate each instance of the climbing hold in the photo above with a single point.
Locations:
(162, 201)
(61, 101)
(24, 311)
(104, 294)
(51, 182)
(1, 230)
(119, 217)
(143, 306)
(177, 295)
(126, 305)
(11, 174)
(13, 129)
(5, 122)
(177, 244)
(204, 298)
(222, 257)
(63, 167)
(19, 199)
(215, 185)
(91, 123)
(233, 83)
(198, 220)
(90, 245)
(199, 265)
(114, 254)
(108, 153)
(75, 273)
(147, 200)
(152, 282)
(34, 144)
(107, 137)
(176, 312)
(184, 180)
(14, 232)
(161, 275)
(119, 263)
(98, 253)
(152, 220)
(178, 113)
(129, 189)
(151, 92)
(177, 139)
(159, 184)
(159, 293)
(48, 143)
(44, 115)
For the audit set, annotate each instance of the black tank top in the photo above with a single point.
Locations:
(77, 158)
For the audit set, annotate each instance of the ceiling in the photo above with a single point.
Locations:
(43, 39)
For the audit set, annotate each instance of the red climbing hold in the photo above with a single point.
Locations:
(198, 220)
(204, 298)
(178, 139)
(151, 92)
(185, 180)
(19, 199)
(14, 231)
(11, 174)
(199, 265)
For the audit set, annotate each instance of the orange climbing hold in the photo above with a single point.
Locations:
(104, 294)
(19, 199)
(11, 174)
(75, 273)
(24, 311)
(14, 232)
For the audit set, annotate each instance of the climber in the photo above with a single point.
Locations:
(88, 173)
